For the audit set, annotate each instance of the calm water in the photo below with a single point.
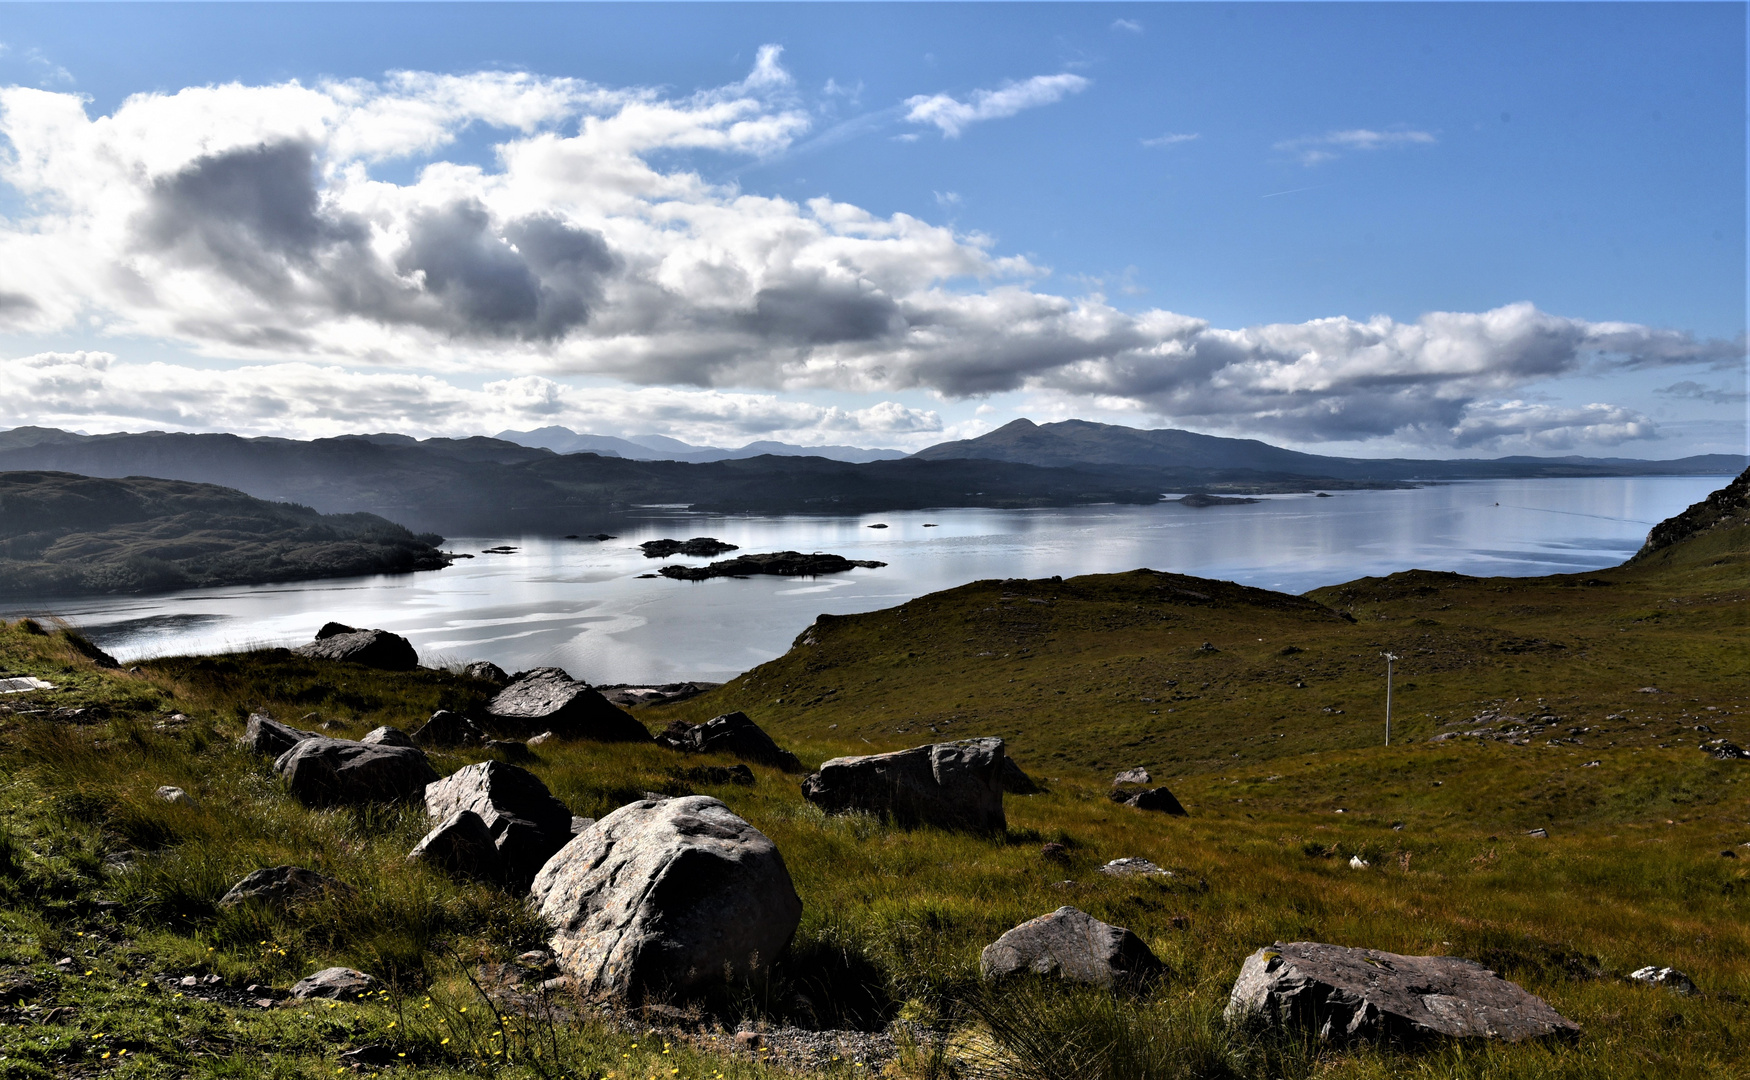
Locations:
(580, 605)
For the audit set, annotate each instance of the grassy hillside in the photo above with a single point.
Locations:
(96, 869)
(62, 534)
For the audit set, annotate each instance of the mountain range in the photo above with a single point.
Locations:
(489, 487)
(562, 440)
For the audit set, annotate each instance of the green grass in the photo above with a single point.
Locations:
(1631, 873)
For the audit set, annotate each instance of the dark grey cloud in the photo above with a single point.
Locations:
(256, 216)
(823, 313)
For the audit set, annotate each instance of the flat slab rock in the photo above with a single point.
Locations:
(334, 984)
(1342, 993)
(1070, 945)
(548, 699)
(952, 785)
(666, 895)
(373, 648)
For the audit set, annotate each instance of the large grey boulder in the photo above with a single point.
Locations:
(281, 885)
(372, 648)
(525, 822)
(953, 785)
(733, 734)
(1342, 993)
(328, 772)
(547, 699)
(269, 737)
(460, 844)
(1071, 945)
(666, 895)
(486, 671)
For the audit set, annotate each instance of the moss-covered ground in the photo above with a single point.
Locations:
(1594, 691)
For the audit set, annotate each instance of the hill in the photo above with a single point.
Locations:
(62, 534)
(1589, 708)
(1081, 443)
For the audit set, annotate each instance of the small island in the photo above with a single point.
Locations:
(1201, 498)
(780, 563)
(702, 546)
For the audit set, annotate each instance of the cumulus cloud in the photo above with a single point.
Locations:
(1316, 149)
(94, 390)
(954, 116)
(246, 223)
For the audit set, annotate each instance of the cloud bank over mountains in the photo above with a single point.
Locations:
(256, 225)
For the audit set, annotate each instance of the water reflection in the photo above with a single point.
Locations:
(580, 604)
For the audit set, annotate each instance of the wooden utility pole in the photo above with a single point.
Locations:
(1388, 663)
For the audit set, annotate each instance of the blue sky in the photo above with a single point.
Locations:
(1374, 229)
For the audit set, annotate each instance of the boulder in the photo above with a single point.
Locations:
(526, 823)
(1134, 866)
(445, 728)
(486, 671)
(282, 885)
(953, 785)
(172, 794)
(1157, 799)
(1341, 993)
(667, 896)
(372, 648)
(462, 845)
(326, 772)
(387, 736)
(1070, 945)
(1138, 775)
(334, 984)
(269, 737)
(547, 699)
(1668, 977)
(733, 734)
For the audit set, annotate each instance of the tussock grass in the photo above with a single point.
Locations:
(94, 866)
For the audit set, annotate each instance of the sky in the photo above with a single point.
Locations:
(1424, 229)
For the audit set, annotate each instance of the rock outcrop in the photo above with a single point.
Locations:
(952, 785)
(1071, 945)
(461, 845)
(1341, 993)
(282, 885)
(445, 728)
(526, 824)
(486, 671)
(666, 896)
(1157, 799)
(1667, 977)
(334, 984)
(733, 734)
(372, 648)
(329, 772)
(386, 736)
(269, 737)
(547, 699)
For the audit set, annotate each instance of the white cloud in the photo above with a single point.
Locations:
(245, 223)
(953, 115)
(94, 390)
(1316, 149)
(1129, 26)
(1544, 428)
(1171, 139)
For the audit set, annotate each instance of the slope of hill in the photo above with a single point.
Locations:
(1099, 672)
(62, 534)
(1081, 443)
